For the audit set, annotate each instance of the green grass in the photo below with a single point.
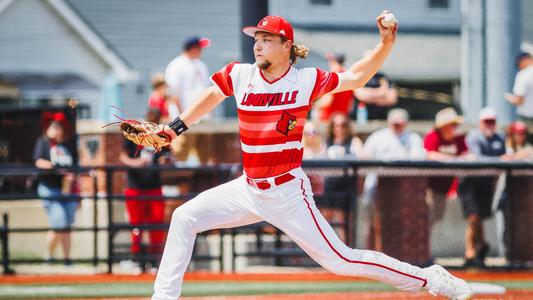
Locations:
(189, 289)
(31, 291)
(515, 284)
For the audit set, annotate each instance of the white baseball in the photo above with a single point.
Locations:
(388, 20)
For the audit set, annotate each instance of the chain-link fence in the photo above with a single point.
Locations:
(414, 211)
(417, 211)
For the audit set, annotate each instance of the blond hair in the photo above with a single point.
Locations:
(297, 51)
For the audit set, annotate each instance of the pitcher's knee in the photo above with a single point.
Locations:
(347, 263)
(181, 218)
(337, 266)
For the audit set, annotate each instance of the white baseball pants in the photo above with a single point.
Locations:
(291, 208)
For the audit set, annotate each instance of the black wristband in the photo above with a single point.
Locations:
(178, 126)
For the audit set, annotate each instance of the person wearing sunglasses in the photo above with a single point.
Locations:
(486, 143)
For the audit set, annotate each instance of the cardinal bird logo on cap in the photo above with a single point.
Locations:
(264, 23)
(286, 123)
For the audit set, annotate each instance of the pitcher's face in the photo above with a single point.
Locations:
(269, 49)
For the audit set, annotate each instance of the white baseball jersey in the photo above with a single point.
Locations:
(523, 86)
(186, 78)
(274, 188)
(272, 114)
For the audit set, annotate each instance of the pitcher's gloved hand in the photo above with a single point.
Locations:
(145, 134)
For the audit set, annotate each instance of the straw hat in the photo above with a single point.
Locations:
(447, 116)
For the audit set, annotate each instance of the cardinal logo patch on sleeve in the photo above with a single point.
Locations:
(286, 123)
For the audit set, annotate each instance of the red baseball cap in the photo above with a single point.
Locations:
(48, 117)
(272, 24)
(518, 126)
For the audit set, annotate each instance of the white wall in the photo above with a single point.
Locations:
(35, 39)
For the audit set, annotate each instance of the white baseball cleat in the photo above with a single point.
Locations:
(441, 282)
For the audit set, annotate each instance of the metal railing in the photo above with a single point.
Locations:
(279, 249)
(111, 227)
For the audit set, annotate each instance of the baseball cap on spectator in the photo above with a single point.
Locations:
(398, 116)
(195, 41)
(487, 113)
(517, 127)
(272, 24)
(447, 116)
(56, 117)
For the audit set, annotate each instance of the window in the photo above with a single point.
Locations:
(321, 2)
(439, 3)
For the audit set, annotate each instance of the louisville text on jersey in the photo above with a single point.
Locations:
(269, 99)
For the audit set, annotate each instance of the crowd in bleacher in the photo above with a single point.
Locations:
(330, 133)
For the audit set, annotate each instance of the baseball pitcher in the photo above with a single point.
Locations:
(273, 100)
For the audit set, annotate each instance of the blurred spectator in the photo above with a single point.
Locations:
(522, 95)
(486, 142)
(314, 148)
(443, 143)
(476, 192)
(342, 102)
(52, 150)
(313, 142)
(517, 144)
(187, 76)
(158, 99)
(342, 142)
(144, 183)
(395, 142)
(378, 95)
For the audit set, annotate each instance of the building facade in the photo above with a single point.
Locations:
(89, 41)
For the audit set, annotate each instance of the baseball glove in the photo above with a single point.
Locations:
(145, 134)
(142, 133)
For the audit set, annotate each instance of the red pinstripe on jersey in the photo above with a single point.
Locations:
(259, 138)
(262, 125)
(275, 163)
(272, 114)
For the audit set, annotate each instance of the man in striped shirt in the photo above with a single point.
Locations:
(273, 99)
